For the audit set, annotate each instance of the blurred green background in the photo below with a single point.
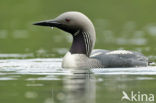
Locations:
(119, 24)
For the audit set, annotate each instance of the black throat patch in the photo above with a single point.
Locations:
(78, 46)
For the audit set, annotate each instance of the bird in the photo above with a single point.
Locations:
(81, 53)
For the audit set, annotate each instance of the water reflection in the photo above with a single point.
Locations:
(80, 87)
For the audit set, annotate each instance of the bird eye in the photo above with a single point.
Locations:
(67, 20)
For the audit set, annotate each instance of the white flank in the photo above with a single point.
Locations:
(120, 52)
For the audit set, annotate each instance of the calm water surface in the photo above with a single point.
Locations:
(42, 80)
(30, 56)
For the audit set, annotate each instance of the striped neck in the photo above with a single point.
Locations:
(83, 43)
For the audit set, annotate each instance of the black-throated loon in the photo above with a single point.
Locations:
(80, 54)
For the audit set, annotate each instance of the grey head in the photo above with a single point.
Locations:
(79, 26)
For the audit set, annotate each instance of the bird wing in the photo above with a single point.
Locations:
(119, 58)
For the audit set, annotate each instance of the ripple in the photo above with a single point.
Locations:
(150, 70)
(16, 55)
(50, 69)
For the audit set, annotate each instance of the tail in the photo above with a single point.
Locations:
(150, 63)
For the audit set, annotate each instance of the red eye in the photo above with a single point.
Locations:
(67, 20)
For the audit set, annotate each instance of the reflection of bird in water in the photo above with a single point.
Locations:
(80, 88)
(84, 37)
(125, 96)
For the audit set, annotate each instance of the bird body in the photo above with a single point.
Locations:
(81, 53)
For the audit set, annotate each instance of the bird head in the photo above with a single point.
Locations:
(70, 22)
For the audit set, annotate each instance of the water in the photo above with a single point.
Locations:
(30, 56)
(42, 80)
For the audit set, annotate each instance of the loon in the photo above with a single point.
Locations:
(81, 53)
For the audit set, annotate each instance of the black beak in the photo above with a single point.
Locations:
(50, 23)
(57, 24)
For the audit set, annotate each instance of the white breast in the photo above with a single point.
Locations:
(73, 60)
(68, 60)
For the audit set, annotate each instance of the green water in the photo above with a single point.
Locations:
(119, 24)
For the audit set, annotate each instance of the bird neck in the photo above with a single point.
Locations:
(83, 43)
